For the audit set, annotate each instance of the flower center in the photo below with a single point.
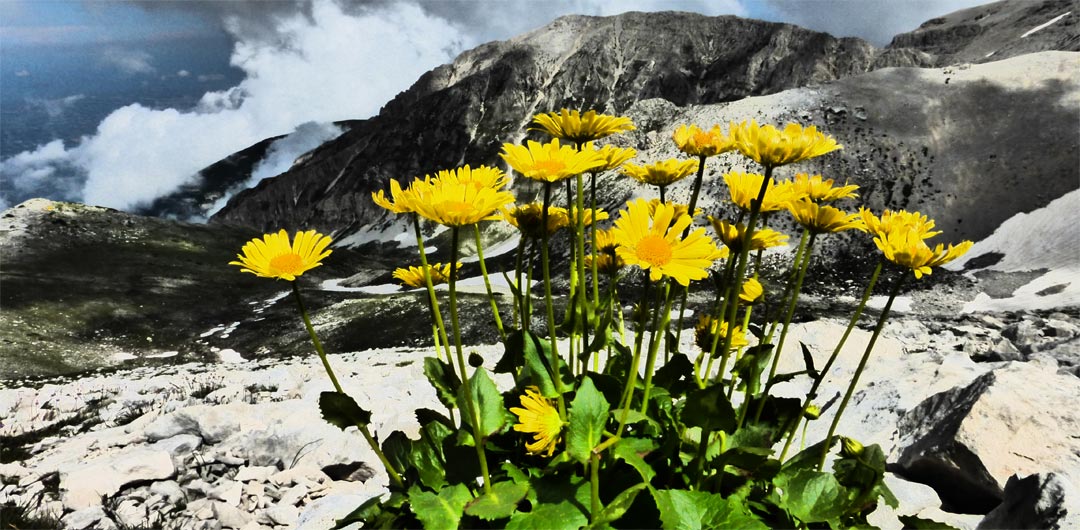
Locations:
(550, 167)
(654, 250)
(290, 263)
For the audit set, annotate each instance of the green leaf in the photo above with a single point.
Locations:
(499, 503)
(442, 377)
(783, 378)
(515, 473)
(427, 454)
(692, 510)
(363, 513)
(340, 410)
(675, 374)
(808, 359)
(617, 507)
(812, 496)
(632, 451)
(588, 415)
(710, 409)
(618, 364)
(488, 402)
(549, 516)
(914, 522)
(751, 364)
(632, 416)
(442, 511)
(536, 355)
(808, 458)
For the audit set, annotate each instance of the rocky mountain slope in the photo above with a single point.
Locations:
(995, 31)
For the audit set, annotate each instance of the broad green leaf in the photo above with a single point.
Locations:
(442, 377)
(588, 415)
(499, 503)
(783, 378)
(536, 353)
(617, 507)
(632, 416)
(398, 450)
(341, 410)
(812, 496)
(751, 364)
(710, 409)
(808, 359)
(363, 513)
(515, 473)
(442, 511)
(492, 414)
(548, 517)
(808, 458)
(692, 510)
(427, 454)
(632, 451)
(675, 374)
(914, 522)
(618, 364)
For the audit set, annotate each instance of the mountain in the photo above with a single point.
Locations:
(461, 112)
(996, 31)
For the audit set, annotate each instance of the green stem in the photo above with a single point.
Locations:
(432, 299)
(658, 335)
(812, 394)
(594, 478)
(518, 302)
(631, 378)
(390, 471)
(703, 446)
(729, 271)
(796, 264)
(859, 370)
(487, 283)
(546, 266)
(592, 233)
(466, 384)
(792, 303)
(579, 239)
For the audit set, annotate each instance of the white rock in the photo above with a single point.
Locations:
(179, 446)
(297, 475)
(282, 515)
(229, 492)
(83, 518)
(325, 512)
(130, 513)
(168, 489)
(254, 473)
(293, 495)
(230, 516)
(84, 485)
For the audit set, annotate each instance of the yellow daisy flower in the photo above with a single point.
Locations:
(540, 418)
(661, 173)
(772, 147)
(733, 235)
(528, 218)
(707, 328)
(273, 256)
(402, 202)
(614, 157)
(819, 190)
(889, 220)
(591, 216)
(607, 259)
(821, 219)
(481, 177)
(751, 291)
(574, 126)
(449, 200)
(414, 276)
(744, 187)
(906, 247)
(694, 141)
(550, 162)
(654, 243)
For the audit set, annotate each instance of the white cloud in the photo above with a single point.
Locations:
(335, 66)
(55, 108)
(128, 61)
(183, 73)
(44, 172)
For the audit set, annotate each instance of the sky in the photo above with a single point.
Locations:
(116, 103)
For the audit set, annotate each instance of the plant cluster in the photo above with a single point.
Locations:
(596, 432)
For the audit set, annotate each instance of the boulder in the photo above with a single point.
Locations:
(967, 442)
(84, 518)
(85, 484)
(1044, 500)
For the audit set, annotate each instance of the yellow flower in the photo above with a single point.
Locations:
(414, 276)
(607, 259)
(591, 216)
(906, 247)
(889, 220)
(661, 173)
(273, 256)
(550, 162)
(751, 291)
(574, 126)
(707, 328)
(772, 147)
(654, 243)
(821, 219)
(613, 156)
(540, 418)
(528, 218)
(454, 199)
(744, 187)
(481, 177)
(696, 142)
(733, 235)
(818, 190)
(403, 200)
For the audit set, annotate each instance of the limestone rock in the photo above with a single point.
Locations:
(85, 484)
(1036, 502)
(968, 441)
(230, 516)
(83, 518)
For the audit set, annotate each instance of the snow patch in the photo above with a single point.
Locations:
(1045, 25)
(510, 245)
(229, 355)
(902, 304)
(383, 288)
